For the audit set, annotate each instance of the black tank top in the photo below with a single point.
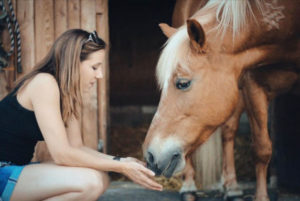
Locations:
(19, 131)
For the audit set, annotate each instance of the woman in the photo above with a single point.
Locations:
(45, 105)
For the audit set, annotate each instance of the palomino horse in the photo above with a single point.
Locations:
(230, 56)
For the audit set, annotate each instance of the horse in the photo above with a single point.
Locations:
(229, 57)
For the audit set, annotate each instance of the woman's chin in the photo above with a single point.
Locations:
(87, 89)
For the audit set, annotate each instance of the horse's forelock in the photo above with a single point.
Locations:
(176, 47)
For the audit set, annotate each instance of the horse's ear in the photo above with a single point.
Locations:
(196, 34)
(167, 30)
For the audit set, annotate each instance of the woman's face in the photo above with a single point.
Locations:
(91, 69)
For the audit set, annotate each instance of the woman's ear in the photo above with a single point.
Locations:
(196, 35)
(167, 30)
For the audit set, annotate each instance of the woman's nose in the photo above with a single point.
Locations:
(99, 74)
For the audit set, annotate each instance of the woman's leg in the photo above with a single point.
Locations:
(52, 182)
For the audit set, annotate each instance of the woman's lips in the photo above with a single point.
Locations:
(92, 84)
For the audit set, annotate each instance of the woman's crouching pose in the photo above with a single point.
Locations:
(46, 105)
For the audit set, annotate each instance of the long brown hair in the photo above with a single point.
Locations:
(63, 62)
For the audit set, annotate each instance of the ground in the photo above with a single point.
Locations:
(127, 191)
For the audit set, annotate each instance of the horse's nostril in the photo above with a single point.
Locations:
(176, 156)
(150, 157)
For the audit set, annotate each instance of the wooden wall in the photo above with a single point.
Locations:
(41, 22)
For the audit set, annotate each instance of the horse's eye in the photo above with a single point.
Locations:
(183, 83)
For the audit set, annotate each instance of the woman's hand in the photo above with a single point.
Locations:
(137, 172)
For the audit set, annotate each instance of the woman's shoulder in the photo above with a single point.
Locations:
(44, 78)
(43, 83)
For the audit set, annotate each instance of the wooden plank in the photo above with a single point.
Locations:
(73, 14)
(102, 20)
(101, 6)
(25, 17)
(103, 84)
(89, 116)
(88, 13)
(44, 27)
(60, 14)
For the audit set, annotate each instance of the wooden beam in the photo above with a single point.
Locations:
(88, 13)
(60, 14)
(101, 5)
(103, 84)
(73, 14)
(44, 27)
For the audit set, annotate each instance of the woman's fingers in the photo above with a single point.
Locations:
(153, 185)
(149, 183)
(145, 174)
(141, 175)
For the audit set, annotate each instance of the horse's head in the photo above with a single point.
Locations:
(199, 92)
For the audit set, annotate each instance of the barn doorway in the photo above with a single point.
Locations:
(135, 44)
(136, 41)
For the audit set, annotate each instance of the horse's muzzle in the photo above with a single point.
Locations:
(163, 165)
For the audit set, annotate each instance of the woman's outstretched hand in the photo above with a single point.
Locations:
(137, 172)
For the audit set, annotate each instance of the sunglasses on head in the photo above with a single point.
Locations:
(93, 37)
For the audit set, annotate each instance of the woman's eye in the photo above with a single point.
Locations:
(183, 83)
(94, 68)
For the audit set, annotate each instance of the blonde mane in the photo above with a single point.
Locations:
(229, 14)
(232, 14)
(175, 47)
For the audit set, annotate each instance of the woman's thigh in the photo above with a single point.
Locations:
(42, 181)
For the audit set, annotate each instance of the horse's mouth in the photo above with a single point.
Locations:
(169, 168)
(168, 172)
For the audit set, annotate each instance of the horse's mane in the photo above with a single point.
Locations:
(233, 14)
(175, 47)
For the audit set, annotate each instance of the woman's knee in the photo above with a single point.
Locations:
(102, 181)
(95, 183)
(105, 179)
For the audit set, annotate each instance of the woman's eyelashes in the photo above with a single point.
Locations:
(96, 66)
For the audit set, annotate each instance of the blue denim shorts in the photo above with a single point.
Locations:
(9, 175)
